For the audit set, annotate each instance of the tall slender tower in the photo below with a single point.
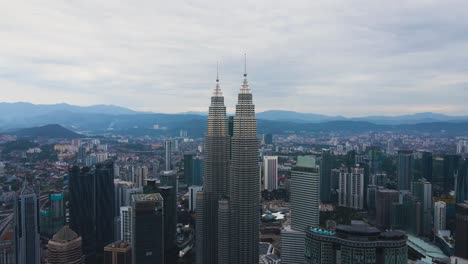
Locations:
(216, 171)
(244, 184)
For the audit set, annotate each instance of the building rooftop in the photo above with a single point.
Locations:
(65, 234)
(147, 197)
(424, 248)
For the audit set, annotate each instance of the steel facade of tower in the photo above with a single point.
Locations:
(244, 184)
(216, 172)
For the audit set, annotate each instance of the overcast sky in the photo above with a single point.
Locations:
(349, 58)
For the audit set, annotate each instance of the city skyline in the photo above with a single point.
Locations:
(328, 53)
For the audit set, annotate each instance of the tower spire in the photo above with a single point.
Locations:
(217, 92)
(245, 85)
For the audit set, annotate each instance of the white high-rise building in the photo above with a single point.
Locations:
(305, 201)
(126, 223)
(141, 176)
(462, 147)
(440, 209)
(351, 188)
(270, 170)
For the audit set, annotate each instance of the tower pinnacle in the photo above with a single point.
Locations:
(245, 85)
(217, 92)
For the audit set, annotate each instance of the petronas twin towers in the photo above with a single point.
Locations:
(228, 207)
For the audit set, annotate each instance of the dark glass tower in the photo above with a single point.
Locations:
(170, 222)
(27, 227)
(82, 209)
(188, 169)
(244, 184)
(325, 175)
(216, 171)
(104, 180)
(405, 169)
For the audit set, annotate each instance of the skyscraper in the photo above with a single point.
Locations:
(170, 221)
(104, 186)
(270, 170)
(216, 171)
(148, 228)
(384, 199)
(405, 169)
(461, 190)
(27, 227)
(351, 188)
(422, 189)
(244, 184)
(440, 211)
(119, 252)
(305, 200)
(427, 166)
(82, 209)
(65, 248)
(126, 218)
(450, 167)
(168, 150)
(188, 169)
(461, 233)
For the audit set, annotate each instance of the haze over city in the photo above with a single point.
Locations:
(329, 57)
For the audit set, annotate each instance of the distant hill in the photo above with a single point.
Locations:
(47, 131)
(428, 117)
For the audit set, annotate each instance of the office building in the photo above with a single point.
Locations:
(461, 190)
(357, 243)
(169, 178)
(268, 138)
(427, 165)
(65, 248)
(292, 245)
(270, 172)
(126, 218)
(384, 199)
(305, 200)
(407, 214)
(244, 199)
(104, 204)
(188, 169)
(461, 232)
(405, 169)
(168, 150)
(82, 209)
(326, 165)
(141, 175)
(351, 188)
(450, 167)
(440, 212)
(118, 252)
(193, 197)
(170, 220)
(215, 186)
(422, 189)
(27, 227)
(52, 218)
(148, 228)
(198, 171)
(7, 246)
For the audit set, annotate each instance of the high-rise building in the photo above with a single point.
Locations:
(27, 227)
(65, 248)
(193, 196)
(325, 175)
(270, 170)
(422, 189)
(104, 184)
(148, 228)
(407, 214)
(405, 169)
(450, 167)
(440, 211)
(198, 170)
(427, 165)
(82, 209)
(188, 169)
(169, 196)
(168, 150)
(357, 243)
(268, 138)
(169, 178)
(52, 218)
(461, 233)
(305, 200)
(351, 188)
(126, 218)
(141, 174)
(7, 246)
(215, 186)
(384, 199)
(118, 252)
(244, 198)
(461, 190)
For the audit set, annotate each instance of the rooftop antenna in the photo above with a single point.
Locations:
(245, 64)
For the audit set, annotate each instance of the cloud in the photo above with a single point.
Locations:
(351, 58)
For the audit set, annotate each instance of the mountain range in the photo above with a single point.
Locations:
(110, 118)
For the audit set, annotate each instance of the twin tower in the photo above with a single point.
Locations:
(227, 229)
